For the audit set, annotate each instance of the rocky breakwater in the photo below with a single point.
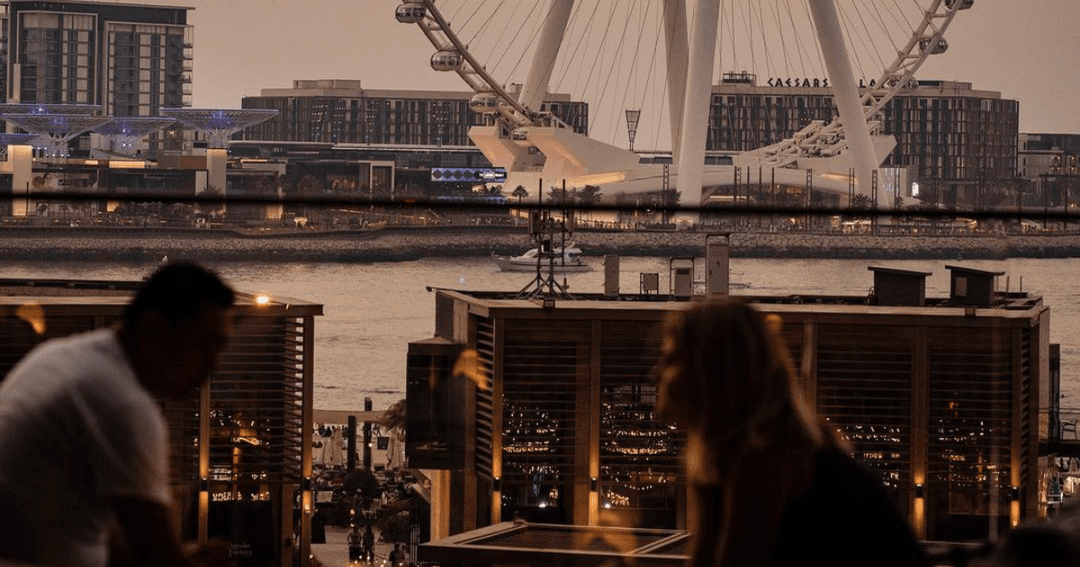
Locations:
(399, 244)
(832, 245)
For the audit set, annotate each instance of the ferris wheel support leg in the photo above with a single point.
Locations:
(852, 116)
(696, 107)
(675, 39)
(547, 50)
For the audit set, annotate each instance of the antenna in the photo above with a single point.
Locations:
(550, 235)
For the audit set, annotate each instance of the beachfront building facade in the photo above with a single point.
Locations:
(240, 450)
(544, 410)
(959, 144)
(1051, 163)
(342, 111)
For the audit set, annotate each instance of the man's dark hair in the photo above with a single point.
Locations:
(177, 291)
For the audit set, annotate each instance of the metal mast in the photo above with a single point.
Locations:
(845, 91)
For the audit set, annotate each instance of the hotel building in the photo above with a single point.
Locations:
(951, 137)
(1052, 163)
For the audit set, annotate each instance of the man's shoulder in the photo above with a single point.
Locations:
(99, 343)
(87, 364)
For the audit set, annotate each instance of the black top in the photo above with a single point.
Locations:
(845, 518)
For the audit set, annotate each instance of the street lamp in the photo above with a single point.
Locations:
(632, 117)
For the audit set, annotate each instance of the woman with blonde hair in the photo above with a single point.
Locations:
(770, 482)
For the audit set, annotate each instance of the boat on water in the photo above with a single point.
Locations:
(562, 259)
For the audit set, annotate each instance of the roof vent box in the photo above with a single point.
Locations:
(893, 286)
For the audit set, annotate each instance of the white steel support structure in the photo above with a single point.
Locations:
(677, 56)
(547, 51)
(845, 91)
(696, 108)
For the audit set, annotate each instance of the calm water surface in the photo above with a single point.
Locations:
(372, 311)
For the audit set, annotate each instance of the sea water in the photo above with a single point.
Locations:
(373, 310)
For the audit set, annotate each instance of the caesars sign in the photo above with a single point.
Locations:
(797, 82)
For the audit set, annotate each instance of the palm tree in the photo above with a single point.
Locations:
(520, 192)
(589, 195)
(395, 420)
(560, 196)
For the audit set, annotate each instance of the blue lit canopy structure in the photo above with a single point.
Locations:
(44, 139)
(125, 131)
(58, 129)
(219, 123)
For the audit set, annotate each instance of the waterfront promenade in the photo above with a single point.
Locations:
(401, 244)
(335, 552)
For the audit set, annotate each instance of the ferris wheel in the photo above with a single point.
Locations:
(619, 56)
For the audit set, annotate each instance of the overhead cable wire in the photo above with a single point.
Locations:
(632, 77)
(850, 37)
(483, 26)
(571, 24)
(652, 60)
(579, 21)
(798, 40)
(615, 67)
(900, 20)
(783, 40)
(764, 37)
(874, 51)
(599, 57)
(884, 28)
(731, 37)
(457, 11)
(532, 39)
(748, 27)
(817, 42)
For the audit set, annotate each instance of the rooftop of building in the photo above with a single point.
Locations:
(112, 294)
(97, 3)
(893, 291)
(750, 83)
(532, 543)
(353, 88)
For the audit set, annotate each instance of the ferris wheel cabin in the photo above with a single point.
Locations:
(484, 103)
(446, 60)
(410, 12)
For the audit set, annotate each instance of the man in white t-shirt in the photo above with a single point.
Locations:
(83, 444)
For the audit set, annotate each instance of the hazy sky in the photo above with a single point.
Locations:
(1026, 49)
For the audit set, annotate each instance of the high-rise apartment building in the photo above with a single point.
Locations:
(132, 59)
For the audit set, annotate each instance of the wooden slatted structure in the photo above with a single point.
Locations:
(865, 372)
(936, 398)
(238, 449)
(486, 408)
(542, 421)
(640, 464)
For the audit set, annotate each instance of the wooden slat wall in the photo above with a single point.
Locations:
(864, 389)
(256, 396)
(539, 428)
(640, 464)
(970, 433)
(485, 405)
